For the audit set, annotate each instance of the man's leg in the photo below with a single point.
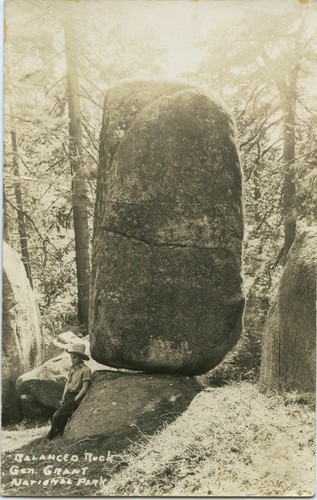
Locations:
(61, 417)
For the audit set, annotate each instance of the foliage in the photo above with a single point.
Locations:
(243, 73)
(251, 72)
(244, 62)
(36, 85)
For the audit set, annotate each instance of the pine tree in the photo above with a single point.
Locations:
(79, 190)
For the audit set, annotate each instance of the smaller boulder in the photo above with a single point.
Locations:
(57, 346)
(46, 383)
(121, 405)
(34, 410)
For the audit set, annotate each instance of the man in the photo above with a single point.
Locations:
(74, 391)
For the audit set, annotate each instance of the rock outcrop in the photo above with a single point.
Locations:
(166, 277)
(21, 332)
(289, 339)
(122, 405)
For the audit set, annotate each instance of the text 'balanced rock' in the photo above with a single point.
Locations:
(166, 277)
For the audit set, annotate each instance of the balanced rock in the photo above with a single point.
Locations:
(289, 338)
(166, 291)
(46, 383)
(21, 332)
(125, 405)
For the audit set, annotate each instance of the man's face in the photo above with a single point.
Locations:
(75, 359)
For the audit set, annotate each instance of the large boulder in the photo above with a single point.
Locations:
(21, 331)
(121, 405)
(166, 292)
(289, 338)
(46, 383)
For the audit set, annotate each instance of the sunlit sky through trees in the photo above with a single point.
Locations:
(179, 27)
(176, 26)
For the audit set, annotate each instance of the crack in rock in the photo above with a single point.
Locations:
(162, 244)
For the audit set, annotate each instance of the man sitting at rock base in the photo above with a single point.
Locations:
(74, 391)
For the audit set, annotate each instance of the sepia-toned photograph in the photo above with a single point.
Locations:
(159, 248)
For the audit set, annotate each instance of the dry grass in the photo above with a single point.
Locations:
(231, 441)
(20, 435)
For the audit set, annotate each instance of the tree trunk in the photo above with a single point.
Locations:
(288, 97)
(20, 208)
(79, 191)
(6, 223)
(18, 192)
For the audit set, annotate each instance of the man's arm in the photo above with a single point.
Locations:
(83, 390)
(62, 401)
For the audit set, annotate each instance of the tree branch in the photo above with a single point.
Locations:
(26, 215)
(87, 96)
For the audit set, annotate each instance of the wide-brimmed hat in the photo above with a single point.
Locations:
(79, 350)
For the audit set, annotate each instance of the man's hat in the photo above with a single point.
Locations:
(79, 350)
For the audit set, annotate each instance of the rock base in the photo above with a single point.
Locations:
(118, 405)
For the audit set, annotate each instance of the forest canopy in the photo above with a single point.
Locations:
(258, 56)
